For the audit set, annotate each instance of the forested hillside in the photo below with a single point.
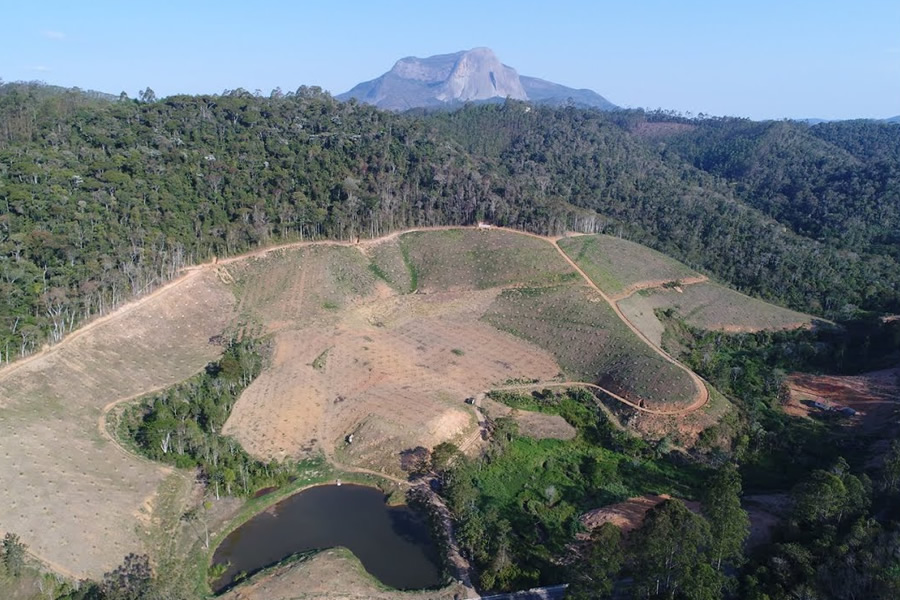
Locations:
(835, 182)
(101, 200)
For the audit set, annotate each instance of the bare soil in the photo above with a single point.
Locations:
(874, 396)
(628, 515)
(75, 497)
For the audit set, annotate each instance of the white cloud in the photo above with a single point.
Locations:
(54, 35)
(40, 68)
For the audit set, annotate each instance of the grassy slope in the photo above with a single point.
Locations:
(615, 264)
(466, 259)
(712, 306)
(545, 303)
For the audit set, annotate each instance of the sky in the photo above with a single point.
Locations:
(763, 59)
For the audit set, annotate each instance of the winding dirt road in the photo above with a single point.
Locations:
(701, 396)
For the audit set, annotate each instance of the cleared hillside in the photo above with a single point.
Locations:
(76, 498)
(711, 306)
(620, 267)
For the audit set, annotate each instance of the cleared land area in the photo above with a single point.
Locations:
(629, 514)
(356, 353)
(537, 425)
(470, 259)
(356, 357)
(709, 306)
(75, 497)
(875, 397)
(592, 344)
(353, 357)
(620, 267)
(330, 575)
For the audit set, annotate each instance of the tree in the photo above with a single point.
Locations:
(13, 554)
(670, 555)
(442, 457)
(147, 95)
(729, 523)
(892, 467)
(597, 574)
(831, 495)
(132, 580)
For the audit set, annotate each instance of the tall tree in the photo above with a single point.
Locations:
(728, 522)
(597, 573)
(670, 555)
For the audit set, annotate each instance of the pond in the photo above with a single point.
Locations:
(393, 543)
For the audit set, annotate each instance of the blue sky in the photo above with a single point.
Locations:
(761, 59)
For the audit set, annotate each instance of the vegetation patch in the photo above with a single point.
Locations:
(615, 265)
(519, 505)
(182, 425)
(590, 342)
(475, 260)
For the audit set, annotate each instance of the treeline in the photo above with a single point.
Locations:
(102, 200)
(634, 179)
(182, 425)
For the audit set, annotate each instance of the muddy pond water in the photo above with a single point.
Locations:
(393, 543)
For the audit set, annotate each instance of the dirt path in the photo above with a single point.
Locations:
(188, 274)
(649, 285)
(699, 402)
(702, 394)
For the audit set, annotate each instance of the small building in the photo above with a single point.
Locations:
(483, 225)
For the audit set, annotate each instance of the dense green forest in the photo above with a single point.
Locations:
(102, 200)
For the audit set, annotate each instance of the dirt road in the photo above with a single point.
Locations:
(701, 396)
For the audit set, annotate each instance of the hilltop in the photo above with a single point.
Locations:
(475, 75)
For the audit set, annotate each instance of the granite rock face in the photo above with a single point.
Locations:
(469, 76)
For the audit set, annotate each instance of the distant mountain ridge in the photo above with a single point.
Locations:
(475, 75)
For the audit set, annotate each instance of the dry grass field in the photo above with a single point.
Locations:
(75, 497)
(709, 306)
(618, 266)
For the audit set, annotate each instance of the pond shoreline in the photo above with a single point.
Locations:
(393, 543)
